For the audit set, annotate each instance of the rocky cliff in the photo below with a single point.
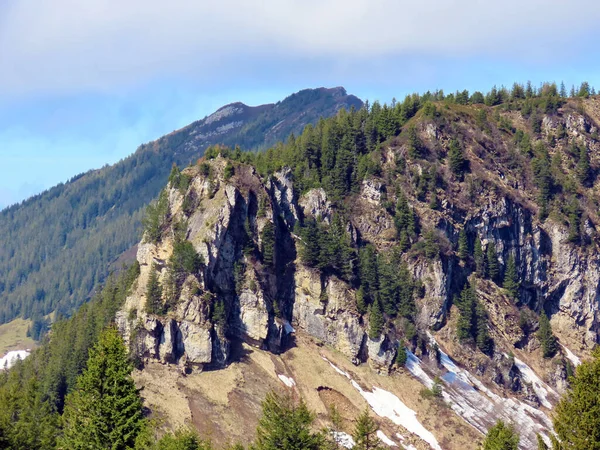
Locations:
(254, 287)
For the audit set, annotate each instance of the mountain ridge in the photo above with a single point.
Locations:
(96, 216)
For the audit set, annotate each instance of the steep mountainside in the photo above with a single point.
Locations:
(56, 247)
(437, 255)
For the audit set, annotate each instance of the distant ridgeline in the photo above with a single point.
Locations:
(56, 247)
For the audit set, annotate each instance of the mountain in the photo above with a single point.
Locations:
(434, 261)
(56, 247)
(447, 238)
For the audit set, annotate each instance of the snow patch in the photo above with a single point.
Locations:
(540, 388)
(386, 404)
(11, 358)
(479, 406)
(343, 439)
(289, 382)
(571, 356)
(337, 369)
(386, 440)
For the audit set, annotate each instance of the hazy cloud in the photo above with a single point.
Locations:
(64, 46)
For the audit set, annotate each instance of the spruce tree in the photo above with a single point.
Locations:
(583, 166)
(547, 339)
(401, 356)
(466, 319)
(105, 409)
(365, 433)
(376, 320)
(310, 248)
(479, 257)
(154, 303)
(463, 245)
(268, 244)
(456, 159)
(482, 338)
(493, 268)
(577, 415)
(501, 437)
(511, 278)
(286, 424)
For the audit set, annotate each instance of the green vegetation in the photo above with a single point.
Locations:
(511, 278)
(154, 303)
(547, 339)
(29, 417)
(286, 424)
(58, 247)
(501, 437)
(105, 409)
(268, 244)
(577, 418)
(472, 322)
(365, 433)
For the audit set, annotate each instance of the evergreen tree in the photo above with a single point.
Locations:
(286, 425)
(365, 433)
(546, 336)
(401, 356)
(179, 440)
(368, 271)
(511, 278)
(376, 320)
(583, 166)
(310, 248)
(268, 244)
(414, 143)
(501, 437)
(463, 245)
(577, 415)
(154, 304)
(105, 410)
(479, 257)
(493, 268)
(456, 159)
(482, 337)
(466, 320)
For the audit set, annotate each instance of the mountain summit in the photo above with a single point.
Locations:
(57, 246)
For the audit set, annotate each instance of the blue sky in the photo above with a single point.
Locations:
(82, 84)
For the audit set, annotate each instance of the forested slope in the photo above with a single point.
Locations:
(57, 246)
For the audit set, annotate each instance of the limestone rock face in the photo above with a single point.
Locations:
(333, 321)
(315, 204)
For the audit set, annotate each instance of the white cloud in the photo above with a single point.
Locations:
(74, 45)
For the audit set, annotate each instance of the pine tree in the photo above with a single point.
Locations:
(493, 268)
(501, 437)
(376, 320)
(154, 304)
(546, 336)
(456, 159)
(463, 245)
(511, 278)
(180, 440)
(268, 244)
(365, 433)
(105, 409)
(479, 257)
(286, 424)
(577, 415)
